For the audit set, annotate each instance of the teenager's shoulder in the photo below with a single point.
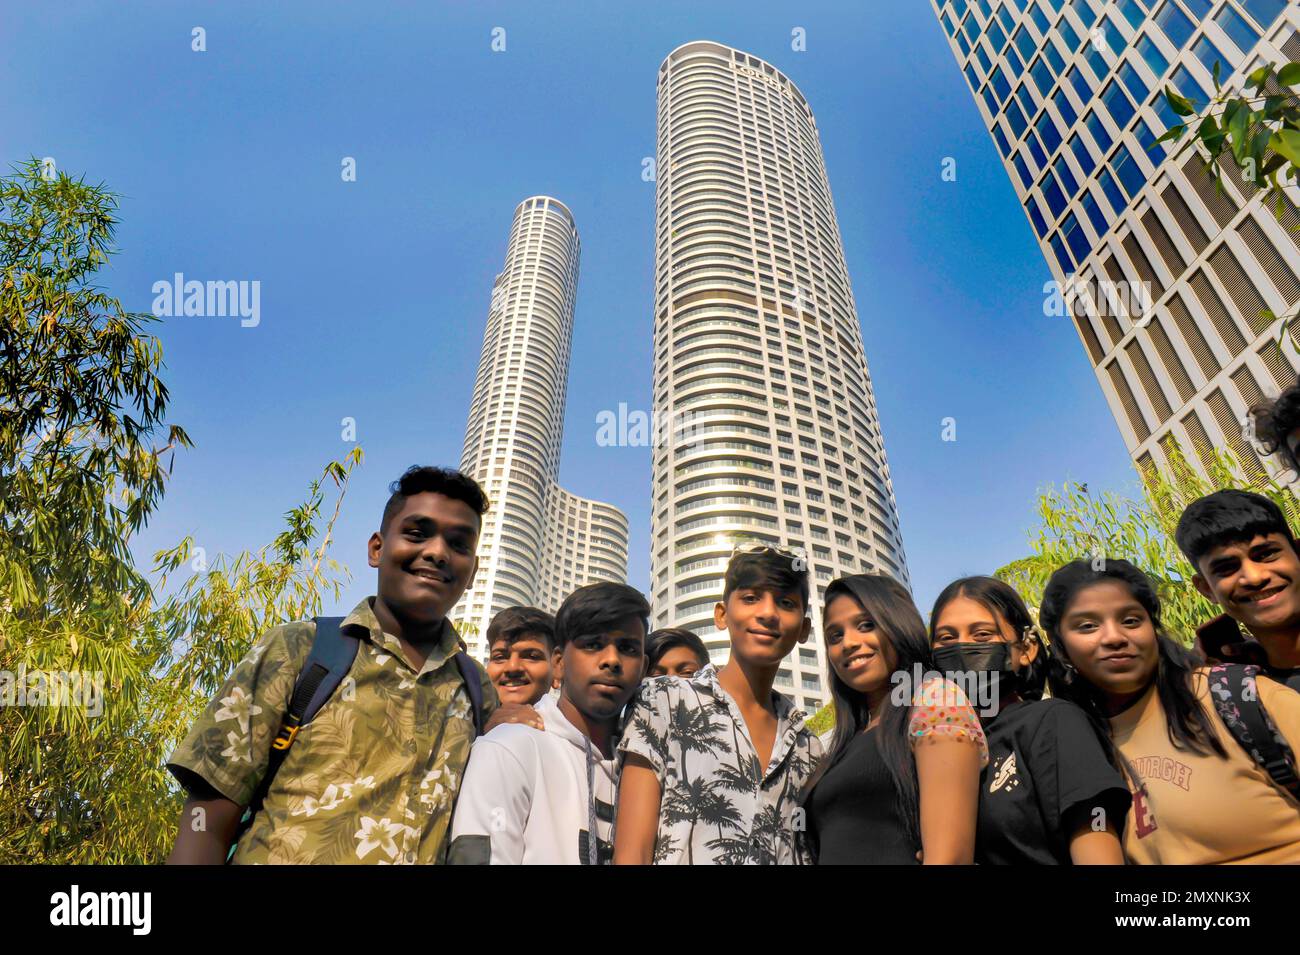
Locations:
(670, 689)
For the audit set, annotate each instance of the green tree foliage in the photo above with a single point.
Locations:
(1258, 126)
(1078, 524)
(83, 438)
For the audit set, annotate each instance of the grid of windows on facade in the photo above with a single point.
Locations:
(760, 373)
(1171, 280)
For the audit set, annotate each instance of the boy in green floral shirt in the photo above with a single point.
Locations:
(373, 778)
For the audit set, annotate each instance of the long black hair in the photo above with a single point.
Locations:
(901, 630)
(1001, 600)
(1189, 725)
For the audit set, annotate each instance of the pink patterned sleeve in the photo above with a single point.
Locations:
(941, 711)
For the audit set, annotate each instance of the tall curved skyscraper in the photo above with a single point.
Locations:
(539, 542)
(759, 373)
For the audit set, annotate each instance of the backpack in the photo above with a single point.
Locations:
(328, 662)
(1232, 688)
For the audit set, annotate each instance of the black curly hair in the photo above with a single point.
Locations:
(1276, 419)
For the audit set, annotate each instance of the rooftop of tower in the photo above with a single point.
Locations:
(714, 45)
(552, 200)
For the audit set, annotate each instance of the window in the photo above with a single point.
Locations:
(1132, 81)
(1133, 13)
(1035, 216)
(1186, 84)
(995, 36)
(1095, 215)
(1016, 119)
(1042, 76)
(1062, 256)
(1062, 170)
(1084, 11)
(1147, 140)
(1264, 11)
(1035, 150)
(1000, 85)
(1022, 167)
(1174, 23)
(1128, 171)
(990, 100)
(1046, 127)
(1065, 107)
(1238, 30)
(1108, 186)
(1066, 33)
(1039, 18)
(1000, 138)
(1024, 43)
(1100, 135)
(1052, 194)
(1209, 54)
(1149, 52)
(1118, 104)
(1082, 155)
(1026, 97)
(1075, 237)
(1080, 84)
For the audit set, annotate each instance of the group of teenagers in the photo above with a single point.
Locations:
(1090, 735)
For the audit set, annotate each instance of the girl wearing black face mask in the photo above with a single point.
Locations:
(1049, 795)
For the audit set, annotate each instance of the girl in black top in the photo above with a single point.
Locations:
(1049, 794)
(900, 781)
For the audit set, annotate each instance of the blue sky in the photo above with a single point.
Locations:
(374, 293)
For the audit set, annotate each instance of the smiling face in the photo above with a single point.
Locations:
(764, 626)
(426, 557)
(599, 672)
(1111, 640)
(963, 620)
(522, 670)
(860, 655)
(1257, 583)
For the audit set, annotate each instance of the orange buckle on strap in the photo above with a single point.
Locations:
(284, 739)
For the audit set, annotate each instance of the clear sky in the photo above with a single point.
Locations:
(374, 293)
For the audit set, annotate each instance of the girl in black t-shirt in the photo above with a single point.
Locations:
(1049, 794)
(899, 783)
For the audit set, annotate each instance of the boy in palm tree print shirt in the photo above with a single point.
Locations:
(718, 803)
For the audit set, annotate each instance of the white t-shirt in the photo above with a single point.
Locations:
(524, 797)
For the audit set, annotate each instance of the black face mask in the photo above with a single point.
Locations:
(991, 657)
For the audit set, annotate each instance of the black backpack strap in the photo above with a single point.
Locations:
(1236, 698)
(469, 673)
(328, 662)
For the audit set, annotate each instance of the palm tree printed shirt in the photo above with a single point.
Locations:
(717, 804)
(371, 779)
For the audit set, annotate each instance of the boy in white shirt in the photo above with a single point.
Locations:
(535, 798)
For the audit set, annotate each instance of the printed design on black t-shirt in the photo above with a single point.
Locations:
(1003, 773)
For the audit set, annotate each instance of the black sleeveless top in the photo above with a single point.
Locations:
(853, 814)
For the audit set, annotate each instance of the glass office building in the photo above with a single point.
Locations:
(759, 370)
(1167, 279)
(539, 542)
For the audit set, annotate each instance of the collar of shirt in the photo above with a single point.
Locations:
(789, 719)
(363, 617)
